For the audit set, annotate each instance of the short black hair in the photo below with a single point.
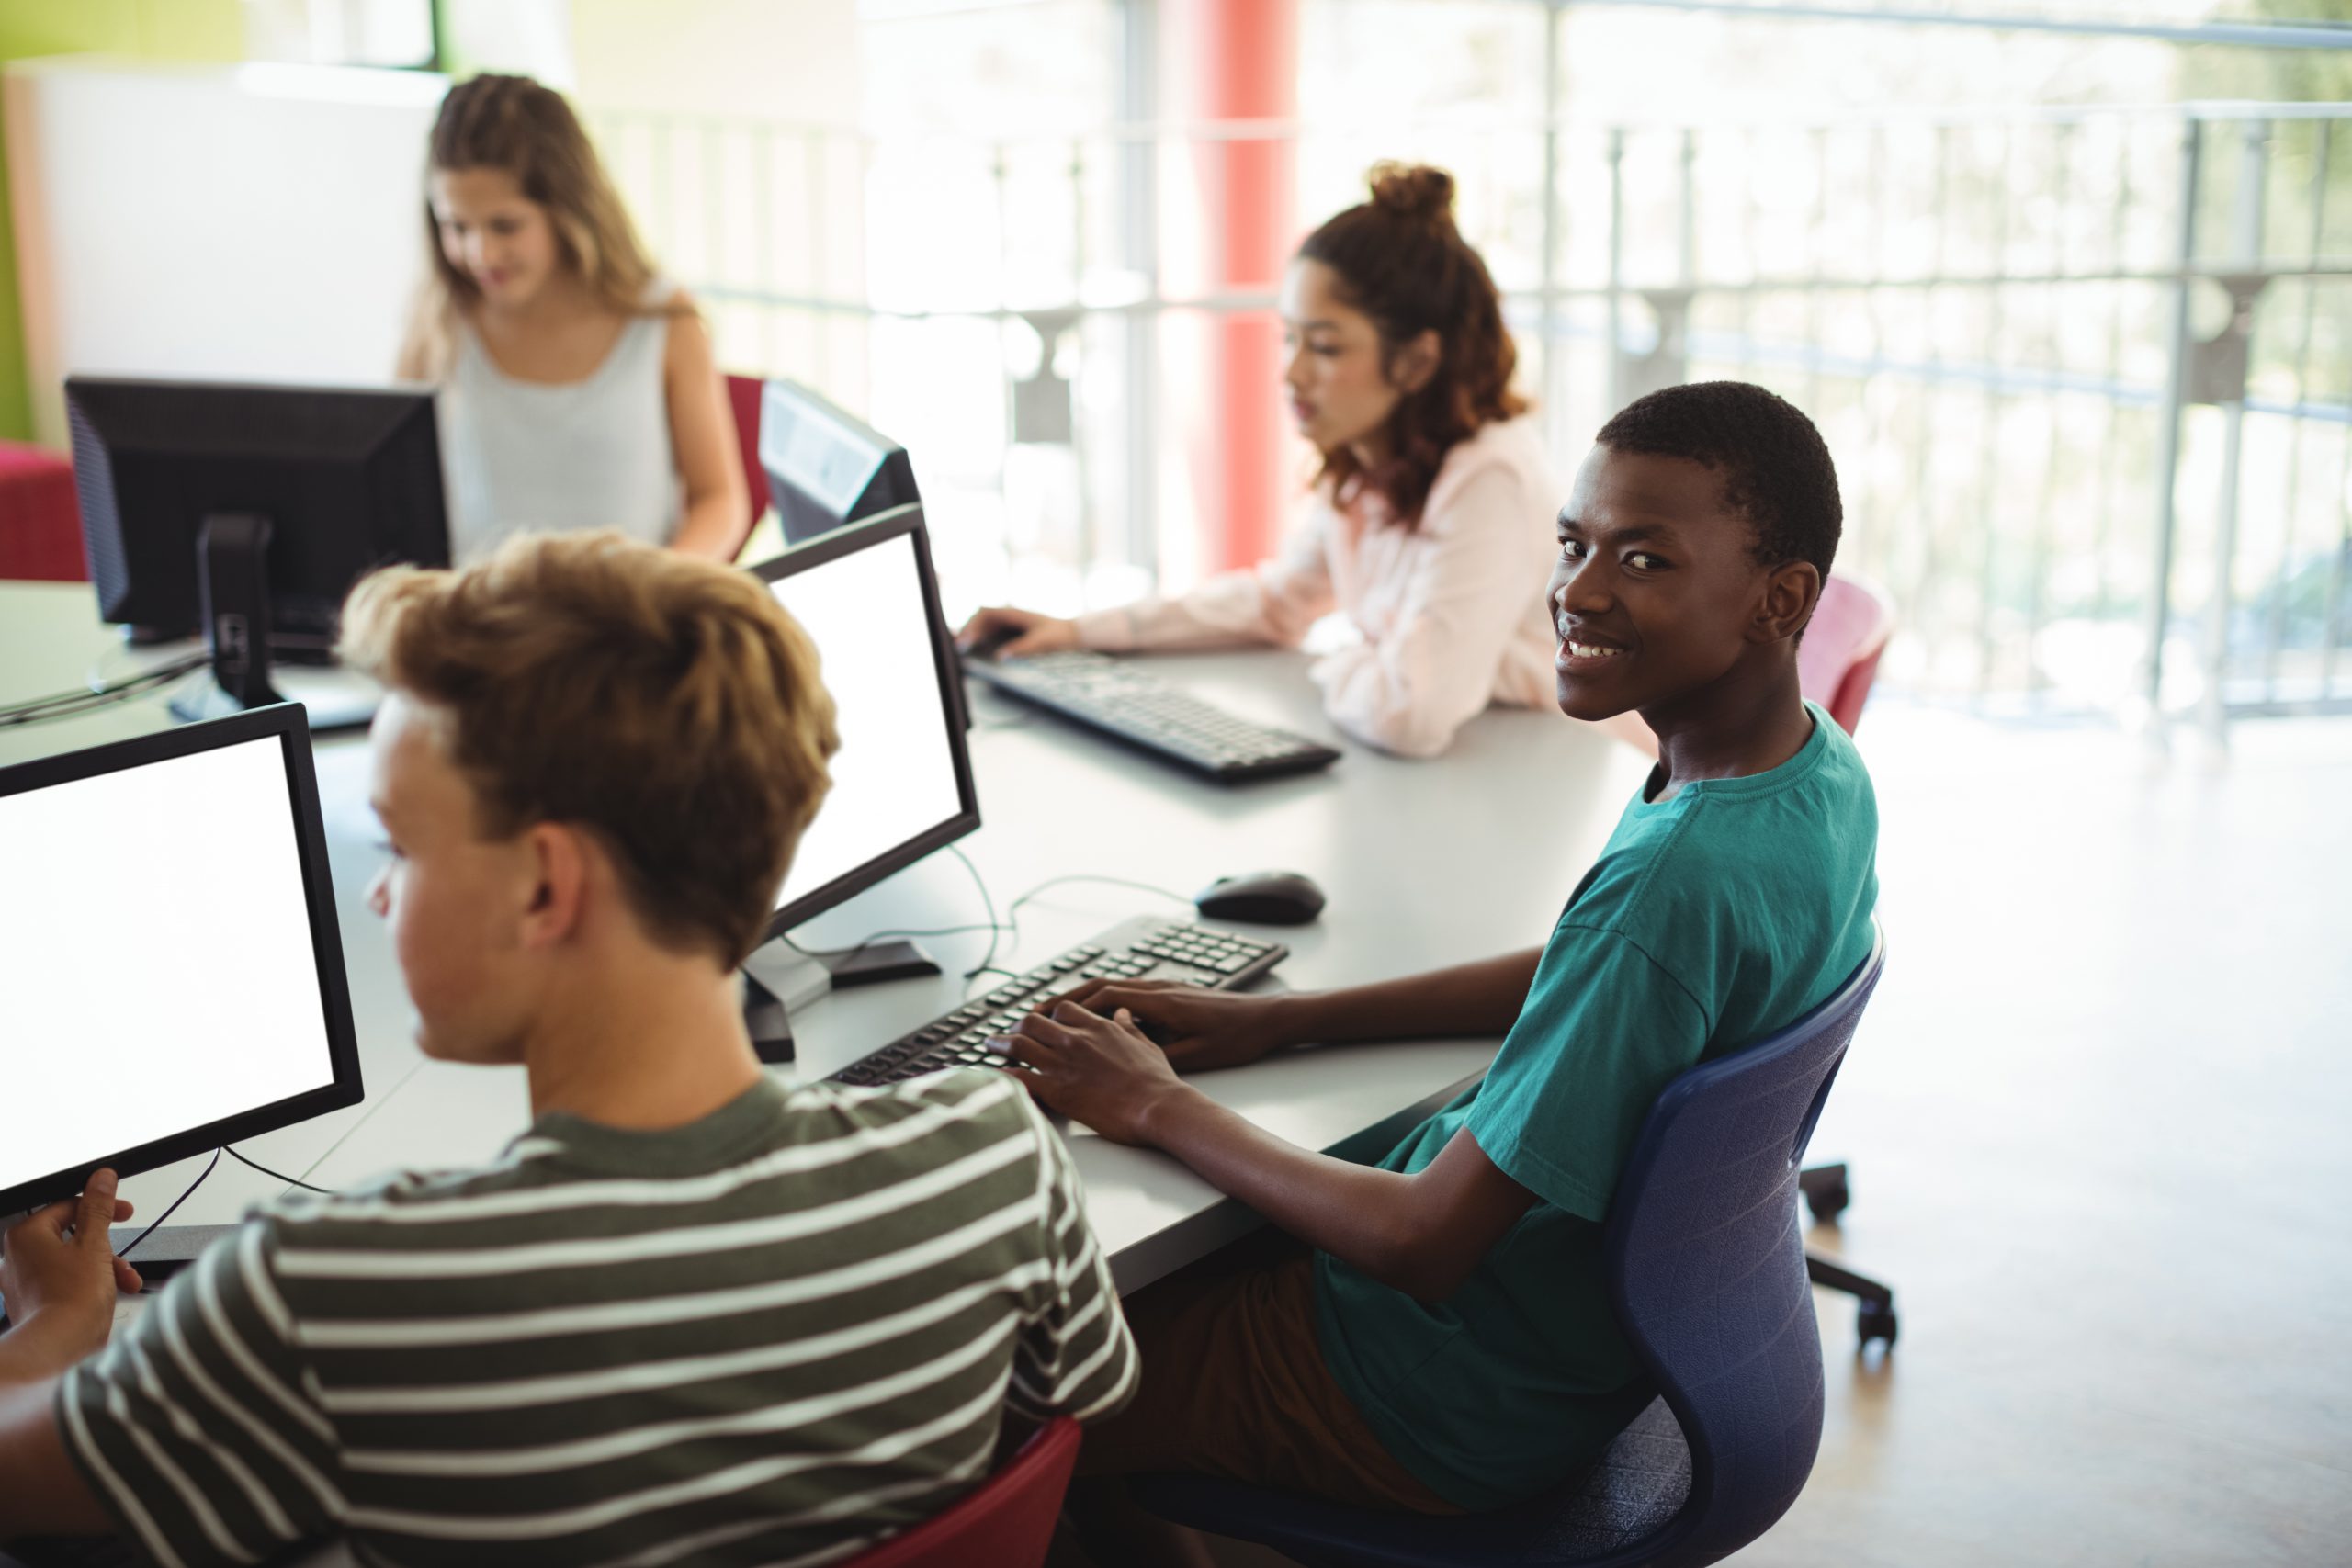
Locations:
(1775, 466)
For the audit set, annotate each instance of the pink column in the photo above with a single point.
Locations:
(1237, 59)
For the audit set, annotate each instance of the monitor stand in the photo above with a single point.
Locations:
(233, 585)
(777, 978)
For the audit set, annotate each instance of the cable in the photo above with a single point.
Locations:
(1012, 910)
(892, 934)
(70, 704)
(275, 1175)
(1013, 914)
(996, 928)
(168, 1213)
(42, 712)
(987, 904)
(95, 690)
(991, 925)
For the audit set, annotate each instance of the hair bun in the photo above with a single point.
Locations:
(1416, 192)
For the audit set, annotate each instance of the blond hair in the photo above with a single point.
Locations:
(667, 705)
(529, 131)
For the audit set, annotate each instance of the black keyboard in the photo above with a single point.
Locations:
(1111, 696)
(1146, 948)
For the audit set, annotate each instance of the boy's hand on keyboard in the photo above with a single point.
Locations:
(1098, 1070)
(1197, 1028)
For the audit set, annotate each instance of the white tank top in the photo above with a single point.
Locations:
(589, 454)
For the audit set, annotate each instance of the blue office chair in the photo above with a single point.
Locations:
(1707, 1269)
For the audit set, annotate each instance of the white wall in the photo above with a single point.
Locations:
(239, 223)
(788, 59)
(675, 96)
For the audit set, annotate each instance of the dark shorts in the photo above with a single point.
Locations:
(1234, 1385)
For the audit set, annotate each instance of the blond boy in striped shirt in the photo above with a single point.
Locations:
(690, 1314)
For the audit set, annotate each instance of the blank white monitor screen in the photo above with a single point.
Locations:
(894, 778)
(156, 940)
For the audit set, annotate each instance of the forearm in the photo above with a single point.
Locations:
(1217, 615)
(1482, 998)
(1410, 691)
(1383, 703)
(41, 1346)
(1358, 1214)
(40, 1491)
(712, 527)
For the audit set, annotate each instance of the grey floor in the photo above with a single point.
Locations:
(2097, 1120)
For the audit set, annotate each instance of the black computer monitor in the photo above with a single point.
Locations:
(175, 972)
(247, 512)
(825, 466)
(902, 780)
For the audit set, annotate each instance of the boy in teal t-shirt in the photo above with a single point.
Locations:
(1712, 918)
(1441, 1337)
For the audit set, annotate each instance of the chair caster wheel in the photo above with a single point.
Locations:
(1873, 1321)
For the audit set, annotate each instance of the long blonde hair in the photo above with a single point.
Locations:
(515, 125)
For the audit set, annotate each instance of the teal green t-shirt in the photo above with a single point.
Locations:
(1711, 919)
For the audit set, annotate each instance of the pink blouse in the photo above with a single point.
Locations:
(1451, 613)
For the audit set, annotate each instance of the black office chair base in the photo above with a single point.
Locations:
(1874, 1308)
(1825, 1190)
(1827, 1196)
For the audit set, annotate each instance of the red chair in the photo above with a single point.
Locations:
(1007, 1523)
(743, 397)
(41, 523)
(1843, 642)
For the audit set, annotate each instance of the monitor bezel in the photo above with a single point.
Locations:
(414, 416)
(869, 533)
(289, 725)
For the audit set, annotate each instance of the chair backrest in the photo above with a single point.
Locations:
(1008, 1520)
(41, 518)
(1839, 657)
(743, 394)
(1707, 1269)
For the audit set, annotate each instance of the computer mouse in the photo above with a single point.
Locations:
(1263, 899)
(988, 643)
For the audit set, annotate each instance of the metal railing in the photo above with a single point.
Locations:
(2088, 372)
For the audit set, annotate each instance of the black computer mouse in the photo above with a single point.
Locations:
(987, 644)
(1263, 899)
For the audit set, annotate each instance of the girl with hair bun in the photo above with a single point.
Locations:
(1432, 523)
(577, 386)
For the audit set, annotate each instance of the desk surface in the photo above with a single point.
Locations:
(1425, 863)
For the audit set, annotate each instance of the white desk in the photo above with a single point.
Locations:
(1425, 863)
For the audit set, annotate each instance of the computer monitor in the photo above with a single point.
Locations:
(826, 467)
(247, 512)
(175, 972)
(902, 780)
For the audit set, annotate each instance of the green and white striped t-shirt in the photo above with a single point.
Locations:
(772, 1336)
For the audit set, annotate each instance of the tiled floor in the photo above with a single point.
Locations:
(2098, 1118)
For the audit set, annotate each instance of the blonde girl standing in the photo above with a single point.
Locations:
(577, 386)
